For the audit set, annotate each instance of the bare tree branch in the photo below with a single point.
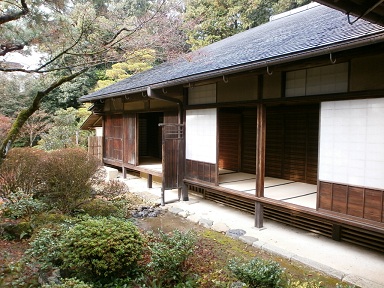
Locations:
(14, 16)
(6, 48)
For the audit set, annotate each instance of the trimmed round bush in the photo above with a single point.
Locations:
(102, 249)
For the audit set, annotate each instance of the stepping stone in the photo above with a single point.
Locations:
(235, 233)
(205, 223)
(220, 227)
(175, 210)
(248, 239)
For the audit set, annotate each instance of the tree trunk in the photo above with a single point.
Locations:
(23, 116)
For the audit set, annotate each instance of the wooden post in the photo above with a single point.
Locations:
(259, 215)
(260, 162)
(149, 181)
(182, 160)
(124, 172)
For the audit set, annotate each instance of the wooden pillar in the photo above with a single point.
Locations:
(182, 145)
(260, 162)
(124, 170)
(149, 181)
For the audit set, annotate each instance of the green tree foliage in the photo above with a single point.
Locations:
(286, 5)
(67, 95)
(39, 123)
(137, 61)
(14, 93)
(65, 131)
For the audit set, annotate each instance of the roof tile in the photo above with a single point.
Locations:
(306, 31)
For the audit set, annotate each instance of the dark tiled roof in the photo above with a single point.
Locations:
(318, 29)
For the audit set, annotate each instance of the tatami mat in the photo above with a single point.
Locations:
(271, 182)
(225, 171)
(290, 190)
(236, 177)
(240, 185)
(280, 189)
(308, 200)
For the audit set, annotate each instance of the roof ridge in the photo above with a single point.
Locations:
(294, 11)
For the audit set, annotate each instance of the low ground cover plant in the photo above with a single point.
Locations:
(257, 272)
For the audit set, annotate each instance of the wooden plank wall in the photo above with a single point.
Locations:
(229, 140)
(237, 140)
(292, 143)
(170, 154)
(248, 145)
(350, 200)
(113, 137)
(129, 128)
(202, 171)
(95, 146)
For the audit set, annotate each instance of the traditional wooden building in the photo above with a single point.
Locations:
(285, 120)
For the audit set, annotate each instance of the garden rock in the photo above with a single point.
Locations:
(146, 211)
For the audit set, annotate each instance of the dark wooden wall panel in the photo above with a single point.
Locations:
(197, 170)
(325, 197)
(274, 145)
(229, 140)
(355, 201)
(248, 145)
(292, 143)
(143, 138)
(170, 156)
(113, 137)
(129, 128)
(339, 203)
(373, 204)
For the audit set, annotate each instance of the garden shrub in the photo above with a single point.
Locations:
(101, 249)
(69, 283)
(257, 272)
(111, 190)
(67, 175)
(21, 205)
(169, 254)
(49, 219)
(15, 230)
(21, 171)
(100, 207)
(45, 252)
